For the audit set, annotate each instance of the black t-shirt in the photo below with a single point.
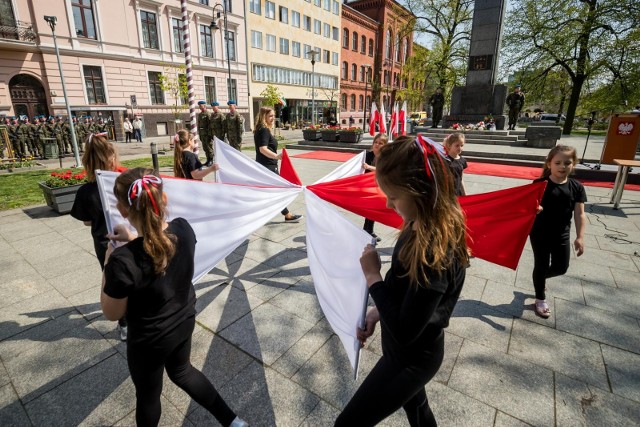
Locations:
(457, 167)
(190, 163)
(370, 159)
(88, 207)
(263, 138)
(412, 317)
(558, 204)
(157, 303)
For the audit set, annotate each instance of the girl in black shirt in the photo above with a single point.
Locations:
(418, 294)
(185, 162)
(454, 144)
(267, 149)
(149, 278)
(370, 166)
(564, 197)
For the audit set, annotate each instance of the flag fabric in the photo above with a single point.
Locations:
(393, 129)
(382, 120)
(402, 119)
(287, 170)
(351, 167)
(373, 119)
(282, 101)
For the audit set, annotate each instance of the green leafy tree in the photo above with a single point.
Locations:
(271, 96)
(174, 80)
(591, 40)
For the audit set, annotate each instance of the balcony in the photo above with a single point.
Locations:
(19, 31)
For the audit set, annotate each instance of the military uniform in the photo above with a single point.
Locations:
(515, 102)
(58, 135)
(437, 103)
(216, 123)
(32, 139)
(234, 128)
(12, 129)
(203, 122)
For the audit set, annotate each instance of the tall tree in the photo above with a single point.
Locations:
(589, 39)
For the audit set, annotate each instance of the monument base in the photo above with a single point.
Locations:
(472, 119)
(472, 104)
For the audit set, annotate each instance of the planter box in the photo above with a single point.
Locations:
(350, 137)
(330, 136)
(311, 135)
(60, 199)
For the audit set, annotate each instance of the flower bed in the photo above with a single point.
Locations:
(60, 189)
(330, 134)
(312, 133)
(350, 135)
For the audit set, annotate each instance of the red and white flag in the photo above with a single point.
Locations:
(393, 130)
(402, 119)
(373, 118)
(382, 120)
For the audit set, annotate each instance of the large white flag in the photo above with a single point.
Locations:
(334, 246)
(222, 216)
(349, 168)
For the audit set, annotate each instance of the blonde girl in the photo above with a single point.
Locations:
(454, 143)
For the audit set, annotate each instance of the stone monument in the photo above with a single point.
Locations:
(481, 96)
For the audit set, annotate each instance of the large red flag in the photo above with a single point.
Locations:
(498, 223)
(373, 118)
(287, 170)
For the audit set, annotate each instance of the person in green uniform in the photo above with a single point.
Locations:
(234, 126)
(216, 122)
(515, 102)
(31, 137)
(58, 135)
(66, 135)
(12, 129)
(203, 122)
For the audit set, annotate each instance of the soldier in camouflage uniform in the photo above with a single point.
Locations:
(216, 123)
(100, 127)
(23, 137)
(515, 102)
(65, 131)
(58, 135)
(32, 142)
(77, 128)
(234, 126)
(203, 122)
(14, 138)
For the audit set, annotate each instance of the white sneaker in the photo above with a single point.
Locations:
(237, 422)
(124, 330)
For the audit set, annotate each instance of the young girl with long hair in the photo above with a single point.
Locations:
(149, 279)
(564, 197)
(267, 149)
(416, 298)
(369, 165)
(454, 143)
(185, 162)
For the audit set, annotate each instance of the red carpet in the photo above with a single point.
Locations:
(333, 156)
(474, 168)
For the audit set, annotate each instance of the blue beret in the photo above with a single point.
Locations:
(231, 101)
(215, 104)
(202, 102)
(518, 86)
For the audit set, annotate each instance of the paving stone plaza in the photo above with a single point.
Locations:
(263, 340)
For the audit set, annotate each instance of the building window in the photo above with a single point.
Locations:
(326, 4)
(255, 6)
(317, 26)
(232, 89)
(155, 88)
(370, 47)
(295, 19)
(336, 33)
(295, 49)
(326, 30)
(94, 84)
(206, 42)
(307, 51)
(326, 56)
(231, 46)
(210, 89)
(398, 49)
(284, 15)
(362, 73)
(406, 49)
(363, 45)
(149, 29)
(178, 39)
(352, 98)
(227, 6)
(336, 8)
(345, 38)
(270, 74)
(270, 9)
(317, 2)
(355, 41)
(345, 70)
(271, 43)
(256, 39)
(388, 47)
(354, 71)
(368, 99)
(360, 103)
(204, 2)
(334, 58)
(306, 23)
(343, 101)
(83, 18)
(284, 46)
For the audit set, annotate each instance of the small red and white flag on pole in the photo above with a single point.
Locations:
(382, 120)
(402, 119)
(393, 130)
(373, 118)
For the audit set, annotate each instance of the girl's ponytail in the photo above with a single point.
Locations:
(180, 142)
(99, 153)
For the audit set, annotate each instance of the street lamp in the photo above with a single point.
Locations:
(366, 87)
(222, 11)
(313, 53)
(51, 20)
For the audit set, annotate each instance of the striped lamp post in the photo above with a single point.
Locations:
(189, 71)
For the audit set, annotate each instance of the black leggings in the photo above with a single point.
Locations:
(551, 259)
(147, 364)
(368, 225)
(274, 169)
(390, 386)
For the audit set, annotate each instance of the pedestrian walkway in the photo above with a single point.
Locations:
(263, 340)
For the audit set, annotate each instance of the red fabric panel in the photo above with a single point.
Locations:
(334, 156)
(498, 223)
(287, 171)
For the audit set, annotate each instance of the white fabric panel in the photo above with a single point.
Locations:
(351, 167)
(237, 168)
(222, 216)
(334, 247)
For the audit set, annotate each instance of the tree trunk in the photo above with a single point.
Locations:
(573, 104)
